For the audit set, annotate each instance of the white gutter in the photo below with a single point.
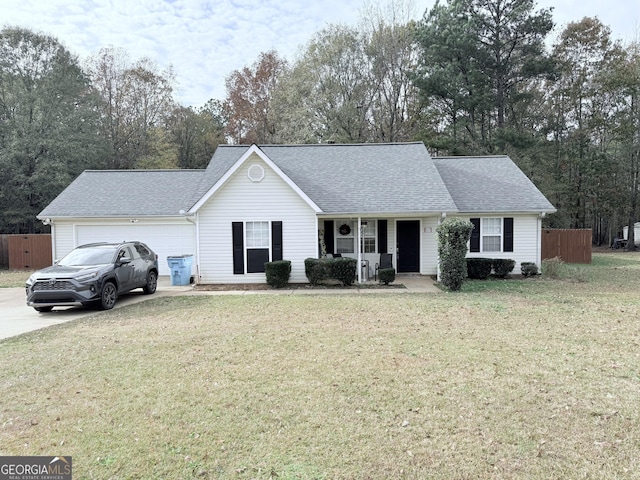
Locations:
(193, 218)
(442, 218)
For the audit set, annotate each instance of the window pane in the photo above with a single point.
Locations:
(257, 234)
(369, 228)
(491, 226)
(344, 245)
(369, 245)
(491, 244)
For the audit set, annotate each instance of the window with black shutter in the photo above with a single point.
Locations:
(474, 245)
(276, 241)
(238, 247)
(382, 236)
(507, 239)
(491, 234)
(260, 242)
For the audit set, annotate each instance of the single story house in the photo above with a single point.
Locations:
(254, 204)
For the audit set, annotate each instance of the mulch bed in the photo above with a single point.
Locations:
(291, 286)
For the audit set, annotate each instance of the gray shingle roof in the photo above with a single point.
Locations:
(340, 179)
(490, 184)
(353, 178)
(115, 193)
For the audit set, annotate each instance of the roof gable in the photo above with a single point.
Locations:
(352, 178)
(225, 175)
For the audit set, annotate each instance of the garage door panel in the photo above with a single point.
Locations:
(165, 240)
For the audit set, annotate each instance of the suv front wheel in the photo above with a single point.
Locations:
(152, 283)
(108, 296)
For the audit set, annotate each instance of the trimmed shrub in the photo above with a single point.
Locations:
(343, 269)
(278, 273)
(387, 275)
(479, 268)
(529, 269)
(502, 267)
(453, 235)
(316, 270)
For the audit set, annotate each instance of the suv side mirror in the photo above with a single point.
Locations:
(124, 260)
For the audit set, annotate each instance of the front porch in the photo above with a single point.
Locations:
(410, 241)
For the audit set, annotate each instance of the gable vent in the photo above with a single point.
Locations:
(255, 173)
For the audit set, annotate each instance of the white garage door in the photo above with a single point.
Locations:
(165, 240)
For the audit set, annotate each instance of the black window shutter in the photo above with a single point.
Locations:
(474, 244)
(507, 239)
(382, 236)
(238, 247)
(276, 241)
(328, 235)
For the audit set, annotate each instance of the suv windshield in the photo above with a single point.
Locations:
(88, 256)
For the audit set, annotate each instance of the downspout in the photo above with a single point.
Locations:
(47, 221)
(193, 218)
(440, 220)
(539, 241)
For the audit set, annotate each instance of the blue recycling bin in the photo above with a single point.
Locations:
(180, 269)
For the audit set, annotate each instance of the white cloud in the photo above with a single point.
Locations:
(205, 40)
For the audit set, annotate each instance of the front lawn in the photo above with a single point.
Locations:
(518, 379)
(13, 278)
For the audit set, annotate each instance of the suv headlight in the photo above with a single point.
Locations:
(87, 277)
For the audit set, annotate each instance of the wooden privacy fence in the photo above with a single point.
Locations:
(572, 246)
(25, 252)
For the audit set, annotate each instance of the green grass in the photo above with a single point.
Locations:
(517, 379)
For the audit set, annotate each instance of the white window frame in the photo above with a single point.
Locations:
(370, 233)
(263, 240)
(488, 231)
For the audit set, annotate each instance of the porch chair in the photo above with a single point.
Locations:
(386, 261)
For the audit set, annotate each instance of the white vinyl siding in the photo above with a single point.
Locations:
(526, 241)
(429, 246)
(244, 200)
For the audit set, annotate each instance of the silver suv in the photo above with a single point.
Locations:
(94, 274)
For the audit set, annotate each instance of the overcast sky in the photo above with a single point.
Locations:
(205, 40)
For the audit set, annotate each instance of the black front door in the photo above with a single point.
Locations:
(408, 242)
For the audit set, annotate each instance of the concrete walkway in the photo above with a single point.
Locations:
(17, 318)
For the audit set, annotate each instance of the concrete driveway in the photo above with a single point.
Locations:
(16, 318)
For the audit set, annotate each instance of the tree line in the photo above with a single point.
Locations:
(472, 77)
